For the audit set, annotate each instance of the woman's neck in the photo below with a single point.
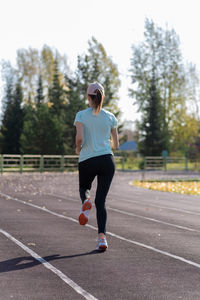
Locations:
(95, 112)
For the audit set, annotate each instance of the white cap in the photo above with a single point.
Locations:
(93, 87)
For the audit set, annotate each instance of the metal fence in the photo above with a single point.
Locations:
(43, 163)
(62, 163)
(171, 163)
(37, 163)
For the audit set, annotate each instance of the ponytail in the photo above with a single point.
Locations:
(97, 100)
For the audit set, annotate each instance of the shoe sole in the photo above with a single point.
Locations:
(87, 206)
(82, 219)
(103, 248)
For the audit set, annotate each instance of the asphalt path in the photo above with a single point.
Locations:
(153, 238)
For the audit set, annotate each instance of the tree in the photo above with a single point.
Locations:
(28, 68)
(92, 66)
(152, 142)
(51, 94)
(192, 90)
(28, 138)
(12, 123)
(57, 94)
(40, 94)
(42, 130)
(96, 65)
(49, 132)
(76, 102)
(159, 57)
(33, 62)
(7, 101)
(185, 133)
(42, 133)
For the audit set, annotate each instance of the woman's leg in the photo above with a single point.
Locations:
(104, 179)
(86, 177)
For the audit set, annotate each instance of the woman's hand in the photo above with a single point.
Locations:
(78, 150)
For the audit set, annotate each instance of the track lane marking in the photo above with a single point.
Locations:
(134, 201)
(180, 258)
(142, 217)
(109, 208)
(162, 207)
(152, 219)
(139, 216)
(50, 267)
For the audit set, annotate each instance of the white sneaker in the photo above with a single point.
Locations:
(84, 214)
(102, 244)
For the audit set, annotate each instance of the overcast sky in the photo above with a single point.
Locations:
(68, 25)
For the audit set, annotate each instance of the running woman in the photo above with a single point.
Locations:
(94, 127)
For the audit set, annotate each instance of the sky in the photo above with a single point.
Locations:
(67, 25)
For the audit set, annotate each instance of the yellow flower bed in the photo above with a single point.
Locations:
(182, 187)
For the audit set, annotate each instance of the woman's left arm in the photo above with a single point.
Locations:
(115, 141)
(79, 136)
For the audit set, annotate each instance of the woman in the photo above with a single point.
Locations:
(94, 127)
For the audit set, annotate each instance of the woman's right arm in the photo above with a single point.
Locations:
(114, 135)
(79, 136)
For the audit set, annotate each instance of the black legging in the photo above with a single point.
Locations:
(104, 168)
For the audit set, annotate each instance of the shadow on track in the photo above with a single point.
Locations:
(24, 262)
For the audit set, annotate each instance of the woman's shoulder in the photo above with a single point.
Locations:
(107, 112)
(111, 117)
(84, 111)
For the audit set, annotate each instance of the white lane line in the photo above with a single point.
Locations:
(142, 217)
(135, 201)
(47, 265)
(160, 207)
(152, 219)
(38, 207)
(139, 216)
(156, 250)
(111, 234)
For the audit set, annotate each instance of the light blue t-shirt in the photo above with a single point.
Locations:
(97, 129)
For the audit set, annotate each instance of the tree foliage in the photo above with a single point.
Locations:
(42, 96)
(159, 57)
(151, 126)
(96, 65)
(12, 123)
(92, 66)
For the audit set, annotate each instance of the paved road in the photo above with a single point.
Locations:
(154, 241)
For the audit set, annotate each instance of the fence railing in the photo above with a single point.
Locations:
(43, 163)
(37, 163)
(61, 163)
(171, 163)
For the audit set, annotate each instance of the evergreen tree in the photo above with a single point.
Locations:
(28, 138)
(12, 123)
(42, 131)
(152, 142)
(64, 97)
(40, 95)
(7, 100)
(49, 132)
(57, 95)
(76, 102)
(160, 55)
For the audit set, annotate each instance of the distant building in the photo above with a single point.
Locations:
(128, 146)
